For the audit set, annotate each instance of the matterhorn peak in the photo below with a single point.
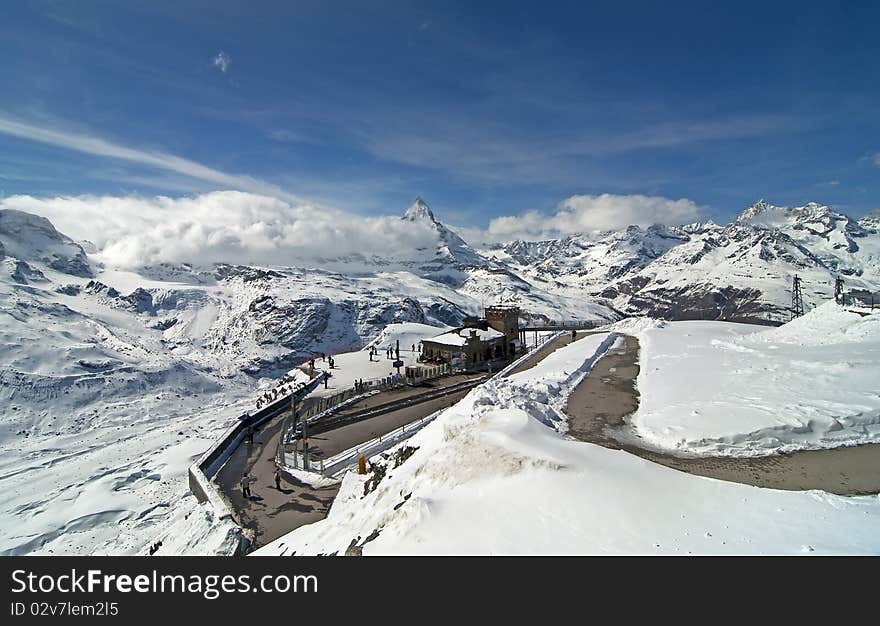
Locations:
(419, 210)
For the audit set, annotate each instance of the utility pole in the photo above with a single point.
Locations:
(797, 299)
(838, 290)
(294, 415)
(305, 438)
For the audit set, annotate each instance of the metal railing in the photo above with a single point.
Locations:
(347, 458)
(561, 325)
(326, 404)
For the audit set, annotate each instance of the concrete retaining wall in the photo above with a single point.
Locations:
(201, 472)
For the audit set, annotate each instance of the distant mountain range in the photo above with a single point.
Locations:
(739, 272)
(66, 313)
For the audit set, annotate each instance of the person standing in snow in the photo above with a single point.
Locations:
(277, 479)
(246, 486)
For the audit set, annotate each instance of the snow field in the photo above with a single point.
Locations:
(716, 388)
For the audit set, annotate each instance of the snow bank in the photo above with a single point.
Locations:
(712, 388)
(635, 325)
(826, 325)
(489, 478)
(548, 382)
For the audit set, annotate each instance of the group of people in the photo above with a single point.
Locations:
(247, 479)
(279, 392)
(389, 352)
(324, 357)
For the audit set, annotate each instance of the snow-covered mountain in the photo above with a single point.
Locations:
(871, 221)
(579, 260)
(27, 238)
(738, 272)
(451, 249)
(117, 379)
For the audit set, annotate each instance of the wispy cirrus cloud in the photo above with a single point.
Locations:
(500, 152)
(97, 146)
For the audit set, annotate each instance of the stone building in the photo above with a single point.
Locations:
(494, 336)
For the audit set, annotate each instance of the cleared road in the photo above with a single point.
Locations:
(271, 513)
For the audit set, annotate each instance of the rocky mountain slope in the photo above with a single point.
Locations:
(739, 272)
(82, 342)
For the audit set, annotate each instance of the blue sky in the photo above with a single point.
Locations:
(483, 110)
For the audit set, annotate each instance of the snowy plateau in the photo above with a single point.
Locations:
(113, 381)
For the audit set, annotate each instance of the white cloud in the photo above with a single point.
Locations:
(877, 159)
(222, 226)
(584, 214)
(222, 61)
(89, 144)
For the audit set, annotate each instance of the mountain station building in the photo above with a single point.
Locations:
(494, 336)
